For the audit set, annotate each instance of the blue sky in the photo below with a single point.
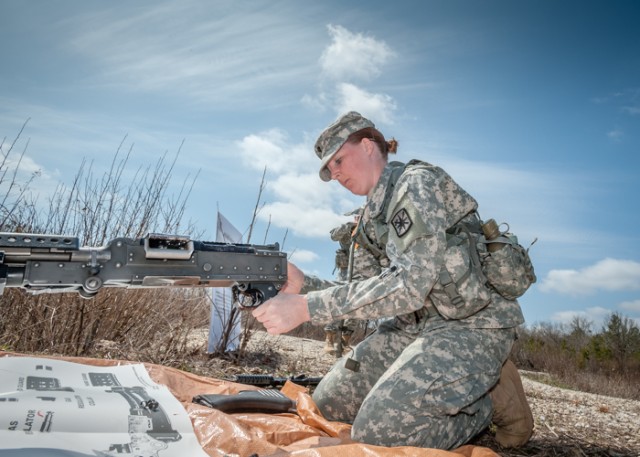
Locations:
(533, 106)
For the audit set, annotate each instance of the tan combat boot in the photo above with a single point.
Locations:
(511, 413)
(330, 338)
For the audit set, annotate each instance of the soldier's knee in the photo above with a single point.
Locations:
(332, 399)
(382, 426)
(388, 432)
(434, 433)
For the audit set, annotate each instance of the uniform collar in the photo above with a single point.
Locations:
(376, 198)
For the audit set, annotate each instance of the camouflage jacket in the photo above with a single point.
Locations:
(405, 220)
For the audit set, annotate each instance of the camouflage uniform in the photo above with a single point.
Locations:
(365, 265)
(342, 234)
(422, 378)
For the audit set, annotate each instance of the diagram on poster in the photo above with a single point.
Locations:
(48, 405)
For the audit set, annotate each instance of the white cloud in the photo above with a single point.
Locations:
(374, 106)
(306, 205)
(607, 274)
(309, 221)
(350, 58)
(270, 149)
(595, 315)
(301, 202)
(302, 256)
(317, 102)
(224, 54)
(304, 189)
(631, 306)
(353, 56)
(13, 161)
(21, 171)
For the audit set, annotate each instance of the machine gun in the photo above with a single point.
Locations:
(267, 400)
(56, 264)
(269, 381)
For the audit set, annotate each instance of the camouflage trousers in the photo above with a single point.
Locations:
(426, 389)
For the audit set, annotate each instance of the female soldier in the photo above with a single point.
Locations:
(428, 377)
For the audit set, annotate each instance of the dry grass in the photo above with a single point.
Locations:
(150, 325)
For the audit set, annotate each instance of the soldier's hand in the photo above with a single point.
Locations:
(282, 313)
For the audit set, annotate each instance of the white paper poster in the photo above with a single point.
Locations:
(58, 408)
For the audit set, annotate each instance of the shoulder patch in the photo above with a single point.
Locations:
(407, 224)
(401, 222)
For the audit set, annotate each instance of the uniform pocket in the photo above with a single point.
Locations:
(460, 290)
(509, 270)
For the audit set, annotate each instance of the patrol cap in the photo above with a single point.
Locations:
(334, 136)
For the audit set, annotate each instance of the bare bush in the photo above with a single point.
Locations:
(150, 325)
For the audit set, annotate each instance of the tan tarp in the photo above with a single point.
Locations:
(306, 434)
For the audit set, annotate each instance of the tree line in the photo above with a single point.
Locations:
(604, 361)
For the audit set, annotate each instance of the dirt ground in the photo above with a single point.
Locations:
(567, 423)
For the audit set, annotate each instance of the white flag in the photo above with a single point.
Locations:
(226, 232)
(222, 298)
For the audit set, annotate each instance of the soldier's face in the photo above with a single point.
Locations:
(354, 167)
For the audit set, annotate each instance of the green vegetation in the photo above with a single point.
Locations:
(605, 362)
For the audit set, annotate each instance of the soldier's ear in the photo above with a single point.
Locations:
(367, 143)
